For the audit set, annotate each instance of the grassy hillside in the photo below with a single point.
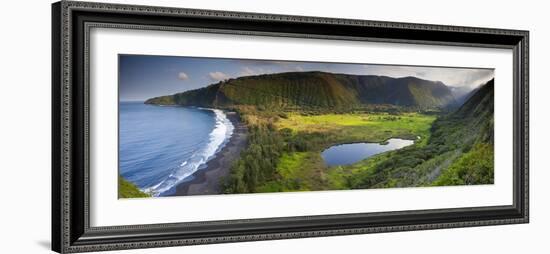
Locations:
(127, 189)
(302, 90)
(459, 151)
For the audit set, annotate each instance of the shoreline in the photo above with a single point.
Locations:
(206, 181)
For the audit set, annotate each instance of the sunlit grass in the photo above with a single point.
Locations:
(127, 189)
(374, 127)
(300, 171)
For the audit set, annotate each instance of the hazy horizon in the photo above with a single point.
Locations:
(142, 77)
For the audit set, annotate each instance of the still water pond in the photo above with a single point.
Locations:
(346, 154)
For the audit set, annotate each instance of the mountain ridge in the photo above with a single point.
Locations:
(315, 89)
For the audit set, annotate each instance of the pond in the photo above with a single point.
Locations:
(346, 154)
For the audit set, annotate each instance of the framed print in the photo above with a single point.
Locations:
(181, 126)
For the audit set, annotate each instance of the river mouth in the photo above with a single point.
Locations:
(346, 154)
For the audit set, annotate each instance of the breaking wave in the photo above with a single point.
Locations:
(220, 135)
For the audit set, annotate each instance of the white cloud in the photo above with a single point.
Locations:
(247, 71)
(456, 77)
(183, 76)
(218, 76)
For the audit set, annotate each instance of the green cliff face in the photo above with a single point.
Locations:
(127, 189)
(459, 151)
(315, 90)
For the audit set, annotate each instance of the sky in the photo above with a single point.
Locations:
(142, 77)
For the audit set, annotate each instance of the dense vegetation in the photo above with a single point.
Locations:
(317, 90)
(284, 148)
(127, 189)
(292, 117)
(456, 149)
(459, 151)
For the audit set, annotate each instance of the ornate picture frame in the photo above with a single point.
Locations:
(71, 24)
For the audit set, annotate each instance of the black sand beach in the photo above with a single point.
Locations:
(206, 181)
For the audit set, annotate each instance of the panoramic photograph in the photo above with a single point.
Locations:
(208, 126)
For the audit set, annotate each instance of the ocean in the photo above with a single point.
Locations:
(162, 146)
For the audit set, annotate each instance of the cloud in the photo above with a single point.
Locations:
(421, 73)
(455, 77)
(218, 76)
(247, 71)
(183, 76)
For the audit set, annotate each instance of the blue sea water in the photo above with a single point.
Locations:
(161, 146)
(346, 154)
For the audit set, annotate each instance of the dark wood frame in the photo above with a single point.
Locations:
(71, 22)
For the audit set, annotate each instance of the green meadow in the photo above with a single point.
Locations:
(297, 161)
(360, 127)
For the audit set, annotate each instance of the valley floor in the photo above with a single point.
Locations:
(306, 170)
(284, 153)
